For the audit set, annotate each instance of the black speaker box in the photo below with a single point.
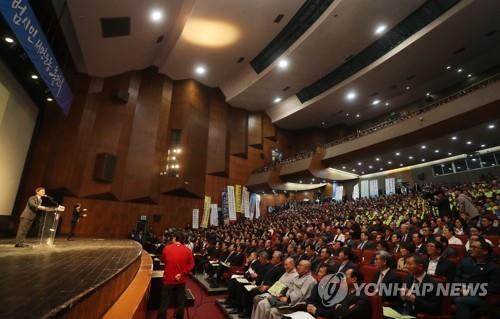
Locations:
(104, 168)
(119, 95)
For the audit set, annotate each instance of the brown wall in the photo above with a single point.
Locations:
(215, 151)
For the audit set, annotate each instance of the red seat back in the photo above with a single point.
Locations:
(367, 256)
(369, 272)
(459, 249)
(376, 305)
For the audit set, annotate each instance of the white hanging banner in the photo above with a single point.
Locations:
(246, 202)
(196, 218)
(257, 206)
(390, 186)
(214, 215)
(231, 203)
(355, 191)
(365, 190)
(339, 191)
(373, 188)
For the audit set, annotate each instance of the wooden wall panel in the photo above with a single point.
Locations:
(268, 129)
(239, 132)
(218, 136)
(255, 129)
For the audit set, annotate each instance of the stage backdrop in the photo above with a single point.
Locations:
(17, 120)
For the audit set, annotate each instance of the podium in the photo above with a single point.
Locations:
(49, 222)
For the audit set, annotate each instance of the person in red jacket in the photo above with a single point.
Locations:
(179, 262)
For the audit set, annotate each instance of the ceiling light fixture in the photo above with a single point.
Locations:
(359, 163)
(343, 167)
(200, 70)
(357, 115)
(377, 159)
(436, 151)
(410, 157)
(386, 103)
(375, 102)
(283, 64)
(459, 70)
(370, 166)
(353, 169)
(277, 100)
(389, 162)
(400, 165)
(49, 99)
(156, 15)
(397, 153)
(380, 28)
(428, 94)
(381, 169)
(34, 76)
(454, 138)
(423, 160)
(448, 67)
(483, 145)
(491, 126)
(408, 88)
(450, 153)
(423, 147)
(351, 95)
(469, 75)
(9, 40)
(469, 142)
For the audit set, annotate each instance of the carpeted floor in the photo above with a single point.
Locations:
(204, 305)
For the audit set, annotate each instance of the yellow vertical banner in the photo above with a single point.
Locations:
(237, 191)
(206, 212)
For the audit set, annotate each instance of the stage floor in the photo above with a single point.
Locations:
(42, 283)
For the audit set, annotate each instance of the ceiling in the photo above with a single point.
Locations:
(215, 34)
(481, 136)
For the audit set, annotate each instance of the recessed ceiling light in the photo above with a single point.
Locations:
(436, 151)
(454, 138)
(381, 169)
(469, 142)
(386, 103)
(401, 164)
(322, 123)
(408, 88)
(353, 169)
(156, 15)
(351, 95)
(277, 100)
(397, 153)
(380, 28)
(200, 70)
(448, 67)
(483, 145)
(423, 147)
(300, 182)
(389, 162)
(283, 64)
(410, 157)
(362, 172)
(49, 99)
(377, 159)
(469, 75)
(491, 126)
(343, 167)
(450, 153)
(423, 159)
(312, 179)
(34, 76)
(459, 70)
(370, 166)
(428, 94)
(357, 115)
(9, 40)
(375, 102)
(359, 163)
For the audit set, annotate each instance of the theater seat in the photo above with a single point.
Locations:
(367, 256)
(376, 305)
(446, 304)
(369, 272)
(460, 250)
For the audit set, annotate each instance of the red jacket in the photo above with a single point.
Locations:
(178, 259)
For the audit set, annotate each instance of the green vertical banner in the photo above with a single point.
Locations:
(237, 194)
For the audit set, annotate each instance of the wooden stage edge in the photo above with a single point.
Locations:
(133, 301)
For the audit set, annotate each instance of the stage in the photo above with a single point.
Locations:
(52, 282)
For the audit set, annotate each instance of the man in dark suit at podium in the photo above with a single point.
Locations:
(28, 215)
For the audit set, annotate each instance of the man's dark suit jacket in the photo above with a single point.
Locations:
(390, 278)
(350, 265)
(361, 307)
(429, 303)
(31, 208)
(445, 268)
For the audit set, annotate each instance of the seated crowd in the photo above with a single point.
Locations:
(274, 266)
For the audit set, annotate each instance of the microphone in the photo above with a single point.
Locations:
(49, 197)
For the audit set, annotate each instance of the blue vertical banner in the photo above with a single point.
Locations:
(21, 19)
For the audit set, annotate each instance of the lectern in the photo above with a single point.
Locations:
(49, 221)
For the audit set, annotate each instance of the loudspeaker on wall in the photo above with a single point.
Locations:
(104, 168)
